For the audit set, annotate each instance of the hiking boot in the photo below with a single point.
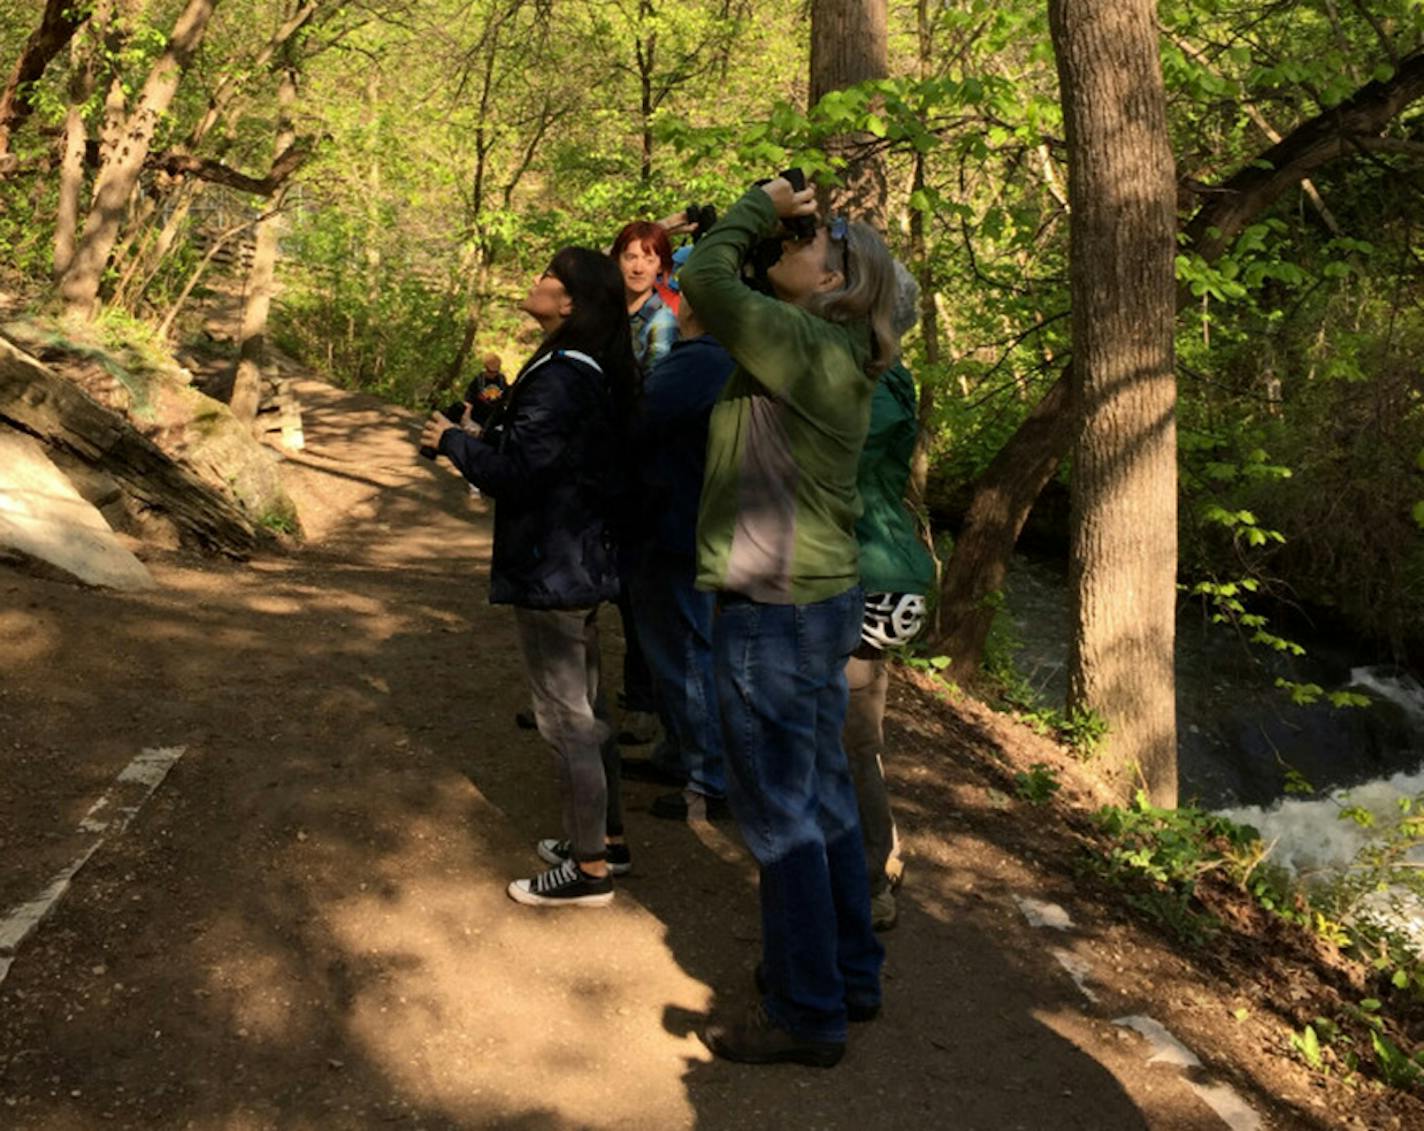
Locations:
(883, 912)
(568, 885)
(757, 1039)
(646, 770)
(689, 805)
(620, 860)
(524, 720)
(856, 1012)
(637, 728)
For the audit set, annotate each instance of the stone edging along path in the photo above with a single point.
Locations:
(107, 817)
(1162, 1046)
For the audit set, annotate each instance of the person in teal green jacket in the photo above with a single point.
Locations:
(776, 543)
(896, 571)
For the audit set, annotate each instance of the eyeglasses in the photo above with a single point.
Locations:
(838, 229)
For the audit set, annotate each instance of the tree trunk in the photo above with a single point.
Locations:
(647, 49)
(929, 311)
(252, 343)
(60, 20)
(79, 286)
(1123, 568)
(848, 46)
(71, 168)
(974, 575)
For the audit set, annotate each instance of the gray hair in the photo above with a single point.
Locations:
(906, 311)
(869, 295)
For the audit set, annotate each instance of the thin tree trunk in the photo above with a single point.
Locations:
(76, 138)
(647, 50)
(166, 238)
(79, 286)
(58, 23)
(1123, 567)
(252, 344)
(848, 46)
(929, 312)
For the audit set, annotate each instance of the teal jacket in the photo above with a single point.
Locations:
(892, 557)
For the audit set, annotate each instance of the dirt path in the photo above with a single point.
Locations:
(306, 926)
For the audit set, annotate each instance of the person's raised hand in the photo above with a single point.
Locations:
(787, 201)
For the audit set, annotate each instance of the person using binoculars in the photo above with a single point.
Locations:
(776, 542)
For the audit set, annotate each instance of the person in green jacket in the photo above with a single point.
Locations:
(896, 571)
(776, 543)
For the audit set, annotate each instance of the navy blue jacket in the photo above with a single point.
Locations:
(671, 440)
(548, 458)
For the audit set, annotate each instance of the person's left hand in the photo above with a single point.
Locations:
(433, 430)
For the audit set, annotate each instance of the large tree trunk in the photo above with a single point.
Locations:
(848, 46)
(252, 344)
(79, 286)
(1123, 568)
(1035, 452)
(58, 23)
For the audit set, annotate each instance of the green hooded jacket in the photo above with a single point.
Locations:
(892, 557)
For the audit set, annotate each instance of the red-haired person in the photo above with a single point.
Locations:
(644, 258)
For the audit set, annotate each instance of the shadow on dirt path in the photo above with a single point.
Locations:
(306, 927)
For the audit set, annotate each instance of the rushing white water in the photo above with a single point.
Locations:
(1311, 836)
(1316, 839)
(1398, 687)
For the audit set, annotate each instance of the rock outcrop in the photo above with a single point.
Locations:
(170, 450)
(44, 520)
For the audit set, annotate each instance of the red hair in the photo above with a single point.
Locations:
(652, 236)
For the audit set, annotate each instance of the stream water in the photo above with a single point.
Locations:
(1238, 734)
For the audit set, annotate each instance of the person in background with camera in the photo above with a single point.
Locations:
(674, 617)
(776, 543)
(644, 258)
(549, 457)
(896, 571)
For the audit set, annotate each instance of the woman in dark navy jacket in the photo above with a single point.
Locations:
(549, 458)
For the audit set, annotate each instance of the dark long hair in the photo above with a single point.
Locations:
(598, 323)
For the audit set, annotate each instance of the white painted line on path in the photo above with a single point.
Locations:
(107, 817)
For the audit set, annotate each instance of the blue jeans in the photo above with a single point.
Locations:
(782, 688)
(675, 626)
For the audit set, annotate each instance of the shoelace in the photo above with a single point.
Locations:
(565, 873)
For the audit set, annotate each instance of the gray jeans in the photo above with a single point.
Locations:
(864, 739)
(560, 648)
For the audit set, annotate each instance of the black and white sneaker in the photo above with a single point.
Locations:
(620, 860)
(568, 885)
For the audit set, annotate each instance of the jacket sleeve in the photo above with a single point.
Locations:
(777, 342)
(545, 417)
(684, 385)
